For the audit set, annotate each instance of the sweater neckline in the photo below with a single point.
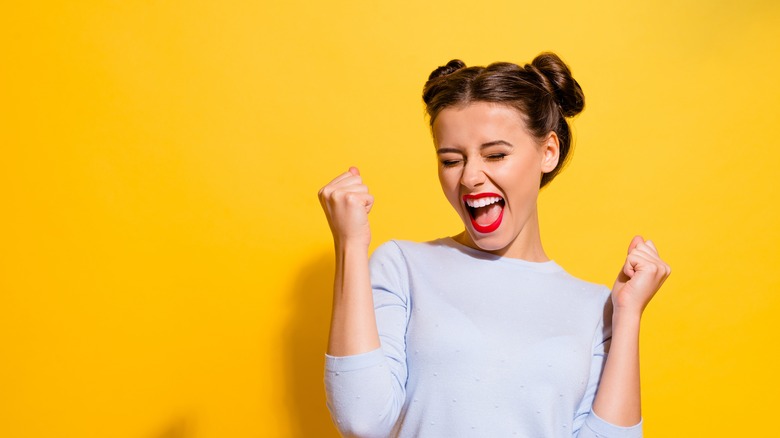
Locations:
(548, 266)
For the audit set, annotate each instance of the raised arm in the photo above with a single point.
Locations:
(618, 398)
(346, 203)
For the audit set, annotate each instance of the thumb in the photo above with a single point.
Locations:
(354, 171)
(621, 280)
(634, 242)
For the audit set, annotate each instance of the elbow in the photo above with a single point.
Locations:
(364, 402)
(362, 430)
(362, 425)
(369, 418)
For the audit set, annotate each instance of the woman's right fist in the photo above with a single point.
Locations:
(346, 203)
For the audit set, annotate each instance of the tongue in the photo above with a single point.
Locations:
(485, 216)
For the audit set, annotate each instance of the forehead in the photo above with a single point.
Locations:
(476, 123)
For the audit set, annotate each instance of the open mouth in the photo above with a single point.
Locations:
(486, 211)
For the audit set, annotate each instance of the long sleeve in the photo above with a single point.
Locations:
(586, 423)
(365, 392)
(475, 345)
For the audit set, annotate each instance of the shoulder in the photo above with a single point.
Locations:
(584, 292)
(586, 286)
(392, 264)
(406, 249)
(393, 256)
(592, 302)
(390, 250)
(407, 258)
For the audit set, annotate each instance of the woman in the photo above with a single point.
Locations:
(482, 334)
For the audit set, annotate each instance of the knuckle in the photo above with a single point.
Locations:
(340, 197)
(350, 197)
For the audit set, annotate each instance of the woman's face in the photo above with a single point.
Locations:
(490, 168)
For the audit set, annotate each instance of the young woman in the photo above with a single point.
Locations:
(481, 334)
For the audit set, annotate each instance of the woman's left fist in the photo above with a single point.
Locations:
(642, 275)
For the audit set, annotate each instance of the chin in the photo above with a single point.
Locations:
(493, 242)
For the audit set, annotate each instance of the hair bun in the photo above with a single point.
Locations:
(444, 70)
(556, 78)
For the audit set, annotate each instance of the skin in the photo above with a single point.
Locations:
(482, 148)
(346, 203)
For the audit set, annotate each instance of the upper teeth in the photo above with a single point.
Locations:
(481, 202)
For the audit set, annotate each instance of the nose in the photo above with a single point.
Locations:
(473, 174)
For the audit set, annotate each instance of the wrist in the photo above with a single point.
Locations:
(351, 244)
(626, 317)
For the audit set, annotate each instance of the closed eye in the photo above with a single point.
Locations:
(449, 163)
(496, 157)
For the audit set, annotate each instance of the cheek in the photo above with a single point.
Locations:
(450, 187)
(523, 179)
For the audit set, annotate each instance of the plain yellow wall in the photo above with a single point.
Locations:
(165, 266)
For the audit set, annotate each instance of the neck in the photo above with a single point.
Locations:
(527, 245)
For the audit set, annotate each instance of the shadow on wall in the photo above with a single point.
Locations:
(180, 427)
(306, 341)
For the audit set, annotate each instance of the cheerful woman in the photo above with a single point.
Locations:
(481, 334)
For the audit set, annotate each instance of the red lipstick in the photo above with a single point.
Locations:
(481, 195)
(484, 228)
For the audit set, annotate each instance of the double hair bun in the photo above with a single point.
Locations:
(555, 77)
(547, 71)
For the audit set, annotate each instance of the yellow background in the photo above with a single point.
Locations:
(165, 268)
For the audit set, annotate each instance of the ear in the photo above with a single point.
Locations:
(550, 152)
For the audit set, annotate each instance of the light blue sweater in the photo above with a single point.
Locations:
(475, 345)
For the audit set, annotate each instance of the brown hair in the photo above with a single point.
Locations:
(544, 92)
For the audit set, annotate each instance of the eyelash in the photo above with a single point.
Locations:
(491, 157)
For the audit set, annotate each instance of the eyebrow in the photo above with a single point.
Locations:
(482, 146)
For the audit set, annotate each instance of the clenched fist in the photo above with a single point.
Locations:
(346, 203)
(642, 275)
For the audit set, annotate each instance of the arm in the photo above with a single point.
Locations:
(618, 397)
(366, 392)
(364, 384)
(346, 203)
